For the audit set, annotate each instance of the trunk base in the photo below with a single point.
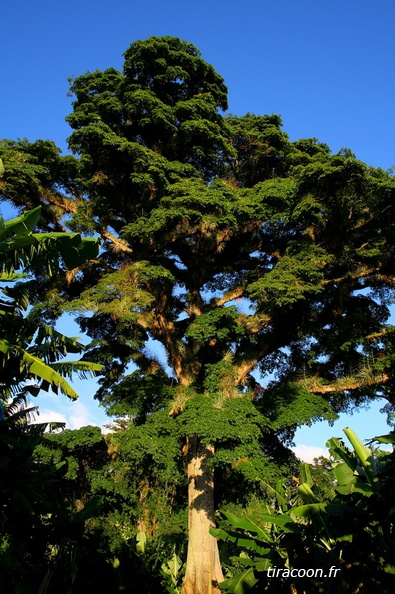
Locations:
(203, 570)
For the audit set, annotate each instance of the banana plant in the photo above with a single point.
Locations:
(29, 349)
(23, 248)
(171, 572)
(353, 533)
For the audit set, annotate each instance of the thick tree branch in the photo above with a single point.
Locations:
(118, 244)
(236, 293)
(343, 384)
(165, 333)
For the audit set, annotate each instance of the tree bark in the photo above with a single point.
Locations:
(203, 569)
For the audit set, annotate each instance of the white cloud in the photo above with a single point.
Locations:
(80, 416)
(308, 453)
(48, 416)
(74, 414)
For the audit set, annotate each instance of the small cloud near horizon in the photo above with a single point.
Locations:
(75, 418)
(307, 453)
(48, 416)
(80, 417)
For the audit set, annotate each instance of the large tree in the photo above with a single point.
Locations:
(237, 252)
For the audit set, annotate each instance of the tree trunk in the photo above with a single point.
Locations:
(203, 570)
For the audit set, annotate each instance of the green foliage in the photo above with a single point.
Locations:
(142, 517)
(42, 523)
(138, 395)
(216, 324)
(171, 573)
(352, 531)
(290, 404)
(31, 510)
(79, 527)
(261, 148)
(29, 348)
(154, 444)
(36, 175)
(298, 275)
(20, 247)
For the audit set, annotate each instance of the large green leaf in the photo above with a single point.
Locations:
(45, 372)
(389, 438)
(38, 350)
(365, 456)
(241, 540)
(284, 521)
(89, 508)
(307, 494)
(20, 246)
(247, 524)
(309, 510)
(83, 369)
(338, 450)
(22, 224)
(305, 474)
(45, 249)
(344, 475)
(240, 583)
(5, 346)
(73, 250)
(51, 343)
(141, 540)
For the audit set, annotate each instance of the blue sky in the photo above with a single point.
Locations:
(326, 67)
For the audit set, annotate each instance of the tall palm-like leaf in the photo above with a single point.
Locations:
(29, 349)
